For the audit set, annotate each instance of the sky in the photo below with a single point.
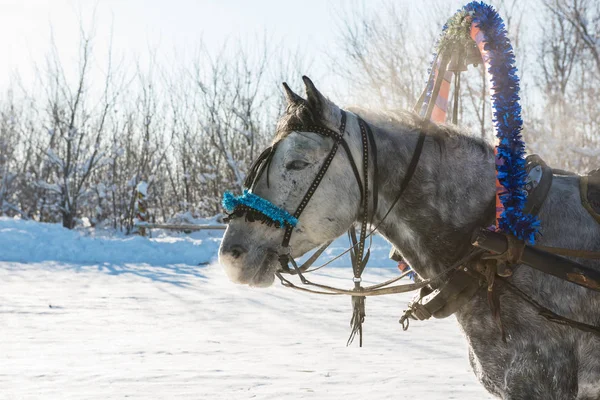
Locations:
(176, 26)
(27, 28)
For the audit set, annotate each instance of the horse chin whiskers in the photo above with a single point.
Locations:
(264, 273)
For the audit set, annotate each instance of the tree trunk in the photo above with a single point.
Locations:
(68, 219)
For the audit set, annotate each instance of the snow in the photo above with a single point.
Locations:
(54, 159)
(28, 241)
(142, 188)
(52, 187)
(97, 315)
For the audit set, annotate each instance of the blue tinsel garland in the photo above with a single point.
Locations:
(506, 118)
(265, 207)
(508, 122)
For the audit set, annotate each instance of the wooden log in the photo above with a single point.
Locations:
(183, 227)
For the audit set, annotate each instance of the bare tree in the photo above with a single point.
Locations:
(232, 97)
(9, 142)
(584, 17)
(79, 149)
(381, 58)
(565, 132)
(76, 128)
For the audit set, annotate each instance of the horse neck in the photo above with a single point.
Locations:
(449, 195)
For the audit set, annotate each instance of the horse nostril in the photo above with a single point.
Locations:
(236, 251)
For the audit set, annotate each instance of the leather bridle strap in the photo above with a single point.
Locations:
(410, 171)
(258, 166)
(359, 260)
(311, 260)
(373, 145)
(315, 184)
(358, 264)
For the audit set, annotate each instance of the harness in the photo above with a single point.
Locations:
(474, 35)
(463, 283)
(489, 261)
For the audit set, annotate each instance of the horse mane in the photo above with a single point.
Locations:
(443, 135)
(389, 120)
(295, 114)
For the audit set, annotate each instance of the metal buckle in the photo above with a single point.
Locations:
(284, 255)
(285, 251)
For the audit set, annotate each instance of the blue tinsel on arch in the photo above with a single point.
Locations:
(507, 121)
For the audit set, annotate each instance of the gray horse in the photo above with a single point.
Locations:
(447, 199)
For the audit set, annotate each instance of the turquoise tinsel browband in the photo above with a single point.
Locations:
(257, 203)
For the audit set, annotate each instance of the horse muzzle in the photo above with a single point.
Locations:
(254, 267)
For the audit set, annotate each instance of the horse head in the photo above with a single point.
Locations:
(281, 179)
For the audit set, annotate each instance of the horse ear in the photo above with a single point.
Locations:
(324, 109)
(291, 97)
(316, 100)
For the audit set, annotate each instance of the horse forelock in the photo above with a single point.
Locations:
(295, 114)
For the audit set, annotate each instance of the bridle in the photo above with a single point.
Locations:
(263, 162)
(357, 250)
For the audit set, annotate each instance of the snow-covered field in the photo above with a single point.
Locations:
(90, 316)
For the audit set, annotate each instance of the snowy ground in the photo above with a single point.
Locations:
(86, 316)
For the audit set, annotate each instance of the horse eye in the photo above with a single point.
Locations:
(297, 165)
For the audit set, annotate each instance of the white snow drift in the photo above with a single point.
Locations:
(84, 316)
